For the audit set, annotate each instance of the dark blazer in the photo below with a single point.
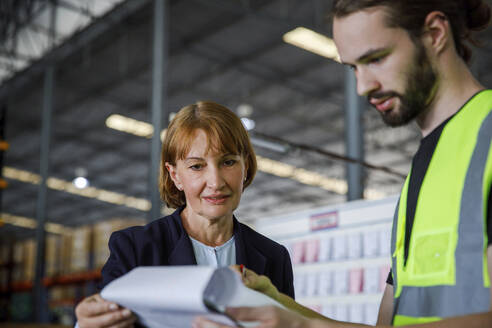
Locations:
(165, 242)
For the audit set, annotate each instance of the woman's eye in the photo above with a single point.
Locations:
(196, 167)
(229, 162)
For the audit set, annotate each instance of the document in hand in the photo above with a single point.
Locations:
(171, 296)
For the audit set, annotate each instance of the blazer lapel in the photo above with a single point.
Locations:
(182, 253)
(246, 253)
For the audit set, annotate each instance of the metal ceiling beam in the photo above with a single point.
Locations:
(29, 15)
(263, 72)
(252, 11)
(227, 64)
(99, 91)
(16, 55)
(41, 29)
(77, 41)
(75, 9)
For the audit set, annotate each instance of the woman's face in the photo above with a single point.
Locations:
(212, 182)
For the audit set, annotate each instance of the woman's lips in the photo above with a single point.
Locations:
(216, 200)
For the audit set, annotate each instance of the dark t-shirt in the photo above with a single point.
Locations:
(420, 163)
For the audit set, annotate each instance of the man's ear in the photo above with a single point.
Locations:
(437, 32)
(174, 175)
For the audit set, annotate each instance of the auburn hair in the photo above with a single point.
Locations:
(225, 134)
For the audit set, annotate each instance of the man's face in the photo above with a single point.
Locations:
(392, 71)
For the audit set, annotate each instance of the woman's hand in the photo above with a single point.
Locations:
(259, 283)
(95, 312)
(266, 316)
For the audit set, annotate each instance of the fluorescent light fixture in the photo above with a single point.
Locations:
(141, 204)
(312, 41)
(132, 126)
(301, 175)
(314, 179)
(21, 175)
(21, 221)
(279, 148)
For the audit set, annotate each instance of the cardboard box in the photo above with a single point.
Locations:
(80, 249)
(17, 266)
(66, 253)
(102, 232)
(24, 260)
(29, 260)
(4, 253)
(3, 278)
(53, 255)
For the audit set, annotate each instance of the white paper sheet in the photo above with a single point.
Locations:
(172, 296)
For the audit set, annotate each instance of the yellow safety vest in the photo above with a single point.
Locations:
(446, 271)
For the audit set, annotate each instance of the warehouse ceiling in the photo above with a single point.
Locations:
(230, 52)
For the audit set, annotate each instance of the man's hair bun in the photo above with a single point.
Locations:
(478, 14)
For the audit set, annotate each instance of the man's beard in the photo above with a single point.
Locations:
(419, 88)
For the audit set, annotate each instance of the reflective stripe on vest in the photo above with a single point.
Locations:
(449, 225)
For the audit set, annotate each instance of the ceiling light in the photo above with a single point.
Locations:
(132, 126)
(312, 41)
(248, 123)
(244, 110)
(80, 182)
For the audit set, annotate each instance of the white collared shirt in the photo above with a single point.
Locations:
(220, 256)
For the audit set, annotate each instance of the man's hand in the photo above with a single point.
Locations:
(266, 316)
(256, 282)
(95, 312)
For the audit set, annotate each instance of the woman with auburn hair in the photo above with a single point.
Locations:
(206, 163)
